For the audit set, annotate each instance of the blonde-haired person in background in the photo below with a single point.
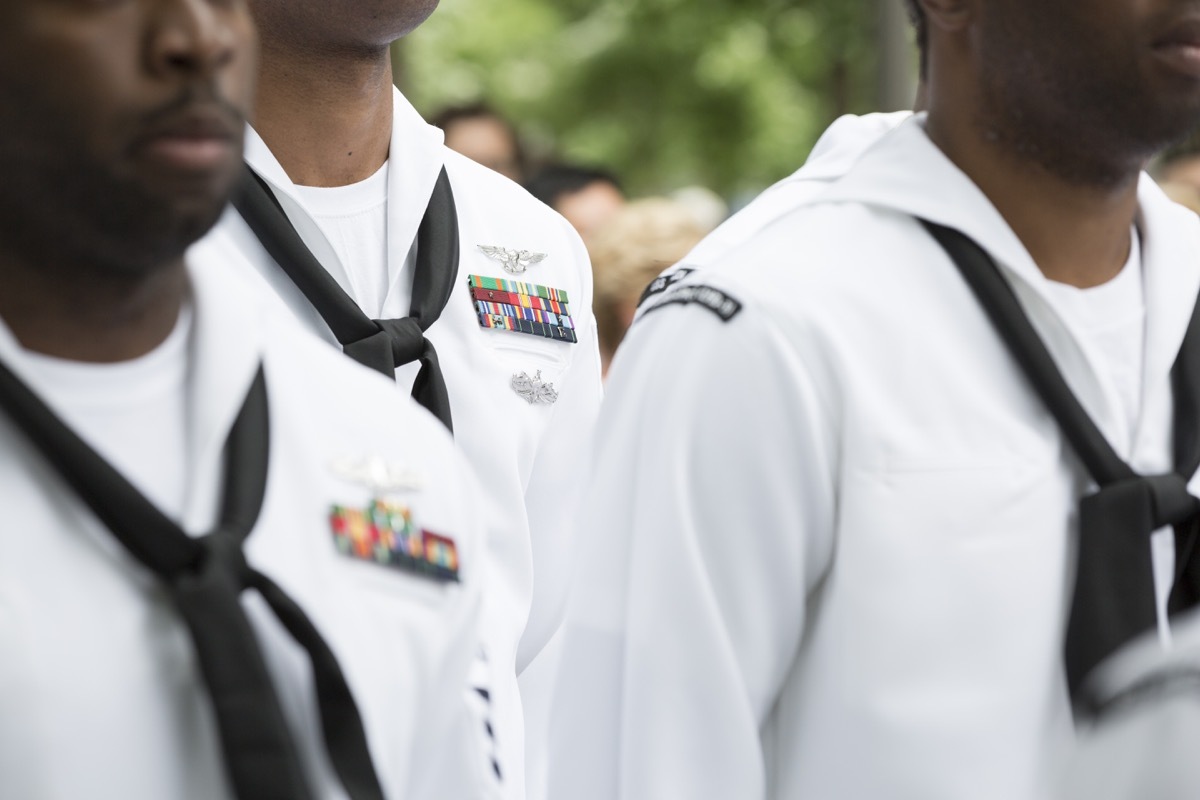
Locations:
(1177, 171)
(641, 240)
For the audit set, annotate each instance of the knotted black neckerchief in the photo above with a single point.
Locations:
(204, 578)
(1114, 598)
(381, 344)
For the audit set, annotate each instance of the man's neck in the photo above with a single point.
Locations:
(84, 316)
(1077, 233)
(328, 120)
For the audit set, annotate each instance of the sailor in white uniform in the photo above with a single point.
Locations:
(830, 545)
(235, 565)
(354, 170)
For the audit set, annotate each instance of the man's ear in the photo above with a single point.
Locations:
(948, 15)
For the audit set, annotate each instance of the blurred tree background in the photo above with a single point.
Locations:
(727, 94)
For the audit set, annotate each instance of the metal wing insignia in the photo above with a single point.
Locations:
(378, 475)
(514, 262)
(499, 253)
(526, 259)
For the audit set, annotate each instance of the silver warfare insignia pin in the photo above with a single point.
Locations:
(534, 390)
(515, 262)
(378, 475)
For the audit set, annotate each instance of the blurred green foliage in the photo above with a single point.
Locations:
(667, 93)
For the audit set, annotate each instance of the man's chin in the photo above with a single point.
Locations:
(194, 224)
(192, 208)
(161, 241)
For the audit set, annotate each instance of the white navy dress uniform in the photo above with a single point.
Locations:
(832, 156)
(527, 455)
(100, 688)
(836, 562)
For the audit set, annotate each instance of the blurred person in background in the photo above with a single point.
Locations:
(586, 196)
(442, 274)
(842, 144)
(1178, 172)
(836, 151)
(1185, 194)
(191, 606)
(478, 132)
(707, 208)
(843, 538)
(636, 244)
(1180, 164)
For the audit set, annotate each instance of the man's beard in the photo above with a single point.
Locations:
(1089, 124)
(82, 217)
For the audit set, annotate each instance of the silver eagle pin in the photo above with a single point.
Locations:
(515, 262)
(378, 475)
(534, 390)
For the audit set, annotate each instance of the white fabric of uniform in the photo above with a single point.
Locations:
(832, 156)
(828, 547)
(529, 458)
(99, 684)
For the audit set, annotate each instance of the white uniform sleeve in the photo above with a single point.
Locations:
(555, 481)
(709, 519)
(553, 490)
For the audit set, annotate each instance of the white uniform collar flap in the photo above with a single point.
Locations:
(1170, 239)
(417, 155)
(415, 158)
(227, 348)
(844, 142)
(263, 161)
(897, 174)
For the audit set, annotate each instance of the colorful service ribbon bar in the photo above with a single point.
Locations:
(522, 300)
(503, 323)
(384, 534)
(521, 312)
(518, 287)
(522, 308)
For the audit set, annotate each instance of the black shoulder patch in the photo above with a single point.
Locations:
(708, 297)
(664, 282)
